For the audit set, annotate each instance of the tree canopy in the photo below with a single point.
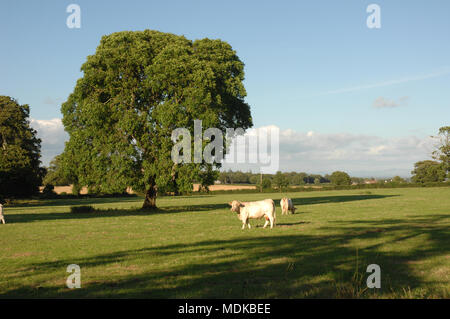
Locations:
(439, 169)
(442, 152)
(136, 89)
(20, 171)
(428, 171)
(55, 173)
(340, 178)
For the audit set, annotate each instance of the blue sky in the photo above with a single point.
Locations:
(311, 66)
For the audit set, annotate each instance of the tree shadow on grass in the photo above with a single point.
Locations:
(283, 224)
(76, 201)
(105, 212)
(335, 199)
(289, 266)
(292, 224)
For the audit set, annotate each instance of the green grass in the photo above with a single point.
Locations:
(193, 247)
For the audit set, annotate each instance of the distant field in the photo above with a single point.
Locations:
(193, 247)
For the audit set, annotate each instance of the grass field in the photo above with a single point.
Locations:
(193, 247)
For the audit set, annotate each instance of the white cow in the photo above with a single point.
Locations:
(287, 205)
(246, 210)
(2, 218)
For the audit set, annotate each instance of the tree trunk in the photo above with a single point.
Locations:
(150, 198)
(174, 182)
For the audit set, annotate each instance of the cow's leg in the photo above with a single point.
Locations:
(267, 221)
(272, 221)
(244, 223)
(248, 224)
(3, 220)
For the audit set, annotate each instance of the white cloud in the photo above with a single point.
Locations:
(375, 150)
(53, 137)
(382, 102)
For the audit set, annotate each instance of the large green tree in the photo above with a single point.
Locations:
(340, 178)
(438, 170)
(428, 171)
(20, 171)
(136, 89)
(442, 152)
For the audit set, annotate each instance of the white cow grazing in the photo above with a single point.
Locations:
(246, 210)
(2, 218)
(287, 205)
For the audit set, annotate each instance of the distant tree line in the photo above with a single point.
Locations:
(288, 178)
(282, 180)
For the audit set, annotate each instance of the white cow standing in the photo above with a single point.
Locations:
(254, 210)
(287, 205)
(2, 218)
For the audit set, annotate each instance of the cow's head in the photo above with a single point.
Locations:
(294, 209)
(236, 206)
